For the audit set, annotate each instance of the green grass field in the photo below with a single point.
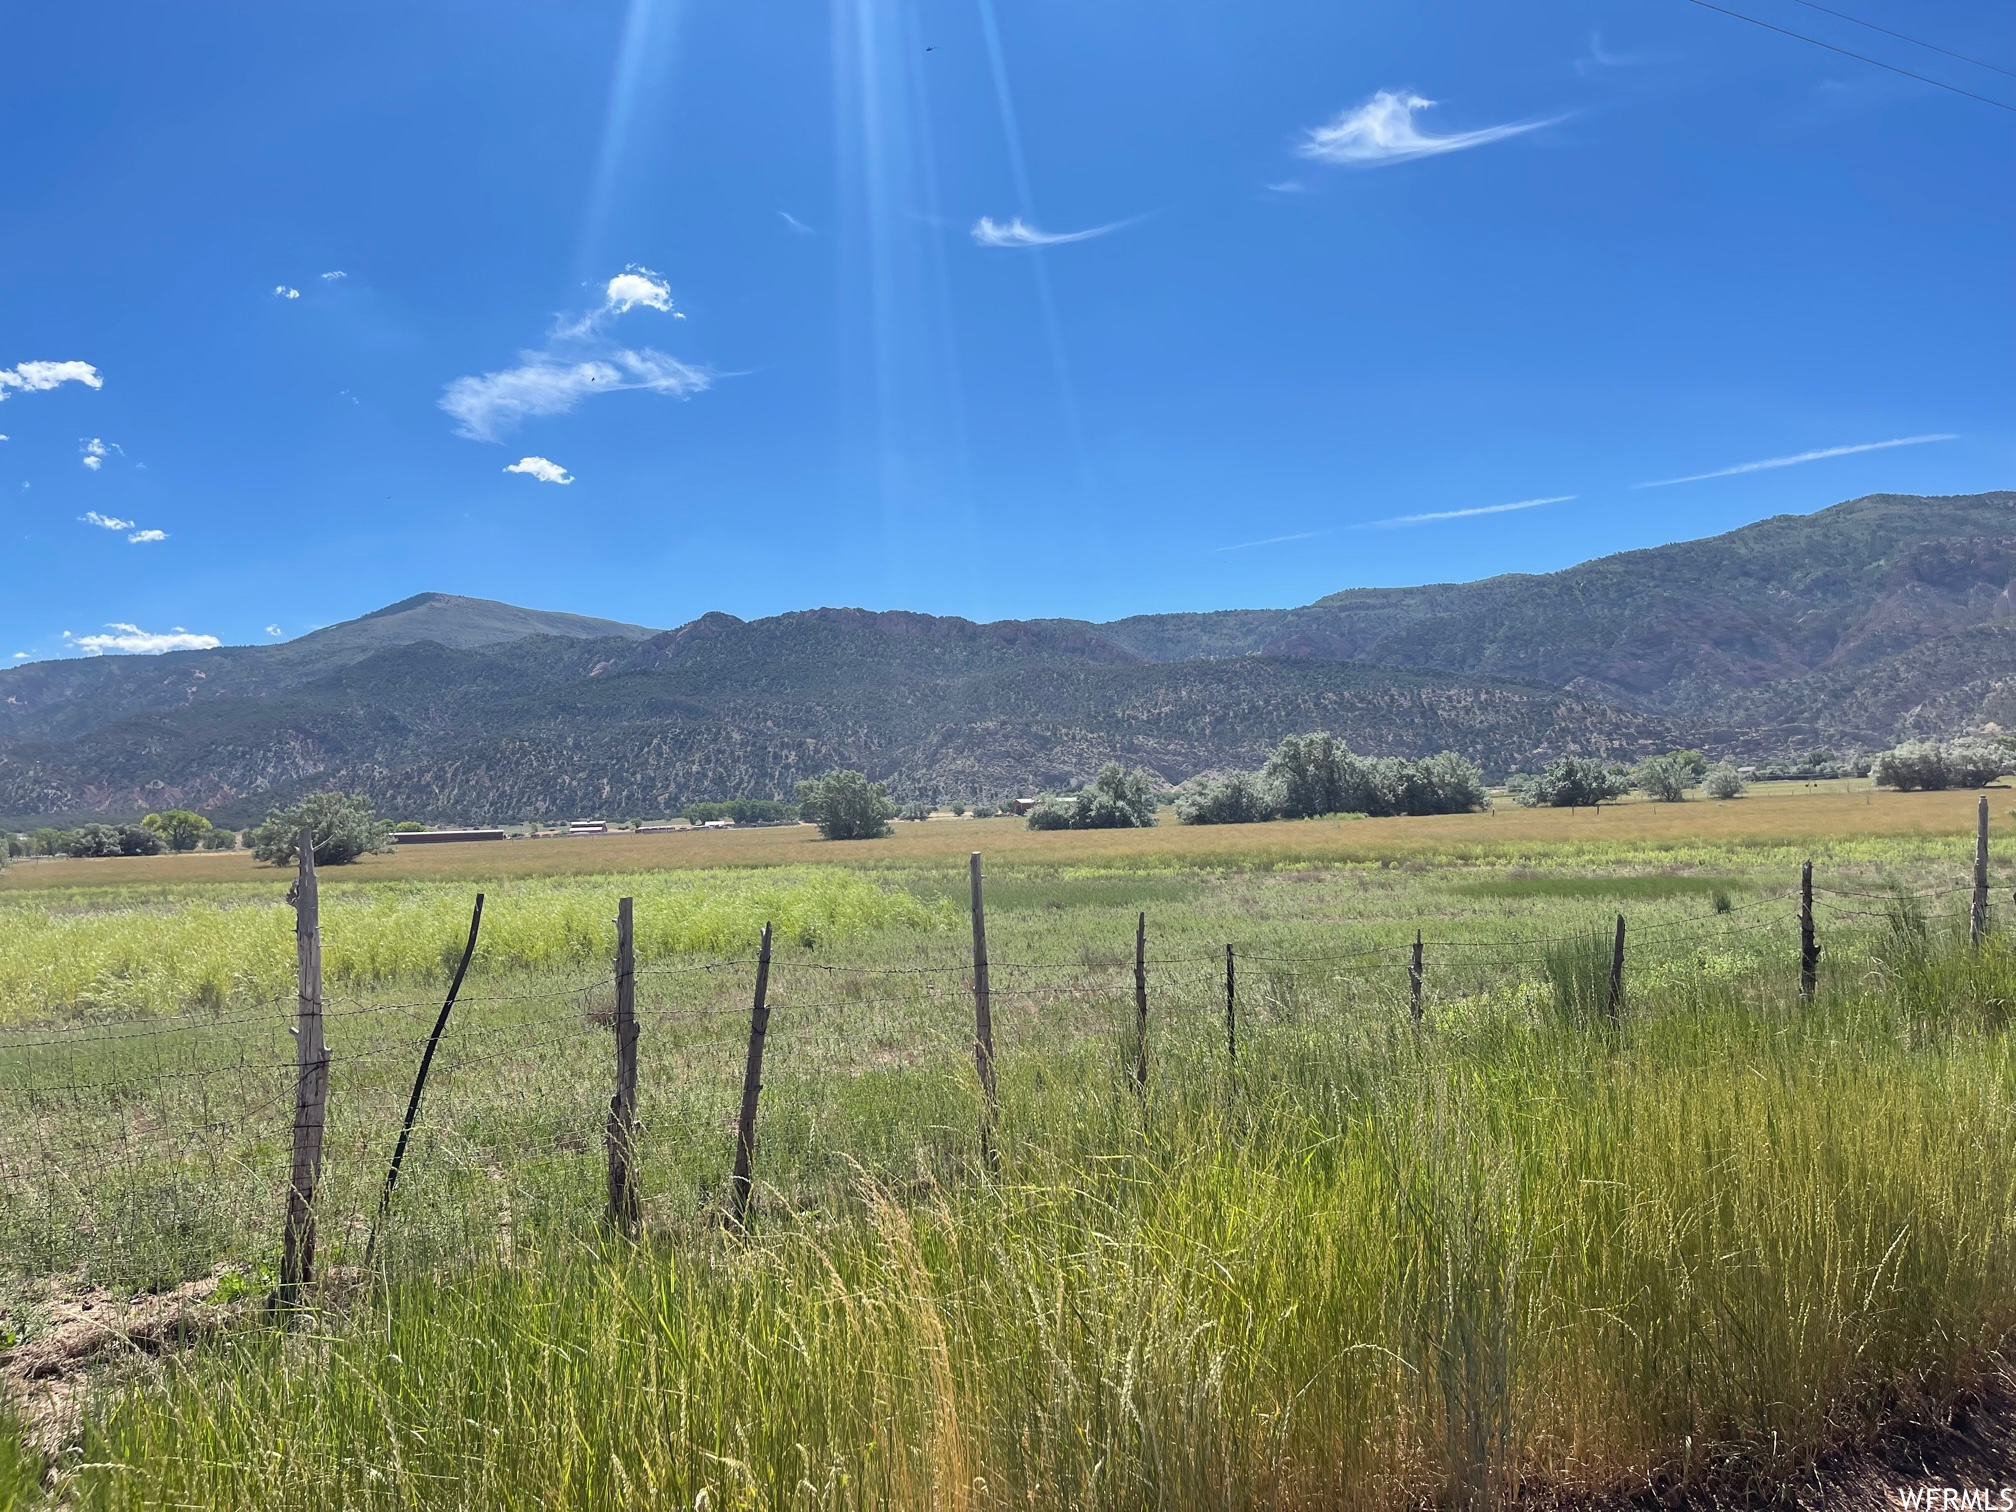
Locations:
(1518, 1249)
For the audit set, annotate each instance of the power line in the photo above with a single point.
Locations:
(1858, 57)
(1914, 41)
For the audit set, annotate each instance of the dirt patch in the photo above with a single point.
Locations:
(78, 1335)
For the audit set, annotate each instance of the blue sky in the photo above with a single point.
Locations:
(287, 291)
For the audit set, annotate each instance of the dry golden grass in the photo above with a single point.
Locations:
(1785, 814)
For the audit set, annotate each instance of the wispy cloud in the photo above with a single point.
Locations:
(798, 227)
(1793, 461)
(282, 291)
(145, 537)
(135, 641)
(104, 522)
(273, 630)
(1300, 535)
(490, 404)
(1017, 232)
(1600, 58)
(1382, 130)
(96, 451)
(333, 274)
(578, 362)
(1464, 514)
(542, 469)
(32, 377)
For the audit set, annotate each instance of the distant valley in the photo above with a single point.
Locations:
(1849, 628)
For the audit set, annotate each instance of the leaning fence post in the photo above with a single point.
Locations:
(752, 1084)
(623, 1204)
(1977, 923)
(1414, 980)
(1141, 1004)
(311, 1082)
(1809, 946)
(983, 1015)
(1231, 1020)
(1616, 1005)
(420, 1082)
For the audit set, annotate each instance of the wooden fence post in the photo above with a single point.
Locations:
(752, 1084)
(983, 1014)
(1231, 1020)
(623, 1204)
(1141, 1004)
(1977, 923)
(1809, 946)
(1414, 980)
(311, 1083)
(1616, 1005)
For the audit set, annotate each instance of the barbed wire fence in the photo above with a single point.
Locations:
(137, 1153)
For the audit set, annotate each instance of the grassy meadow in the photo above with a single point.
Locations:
(1520, 1250)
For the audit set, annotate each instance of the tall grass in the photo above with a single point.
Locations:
(1371, 1264)
(119, 959)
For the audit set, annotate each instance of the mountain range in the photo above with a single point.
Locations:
(1884, 617)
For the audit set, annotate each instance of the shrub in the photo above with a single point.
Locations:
(1929, 765)
(408, 827)
(1665, 779)
(742, 811)
(1914, 766)
(846, 806)
(1572, 782)
(1723, 781)
(344, 827)
(915, 811)
(1115, 799)
(1444, 783)
(97, 840)
(220, 840)
(1225, 798)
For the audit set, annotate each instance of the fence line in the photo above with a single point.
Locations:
(173, 1119)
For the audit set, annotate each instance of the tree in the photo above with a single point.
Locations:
(846, 806)
(92, 841)
(1225, 798)
(1572, 782)
(916, 810)
(1305, 771)
(344, 826)
(1723, 781)
(1444, 783)
(179, 829)
(1665, 779)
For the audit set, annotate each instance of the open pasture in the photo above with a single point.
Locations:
(1517, 1249)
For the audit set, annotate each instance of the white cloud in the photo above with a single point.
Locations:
(281, 291)
(1464, 514)
(141, 537)
(334, 273)
(542, 469)
(272, 629)
(1793, 461)
(637, 285)
(2, 438)
(104, 522)
(798, 227)
(20, 656)
(1017, 232)
(1382, 130)
(134, 640)
(31, 377)
(493, 403)
(96, 451)
(551, 382)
